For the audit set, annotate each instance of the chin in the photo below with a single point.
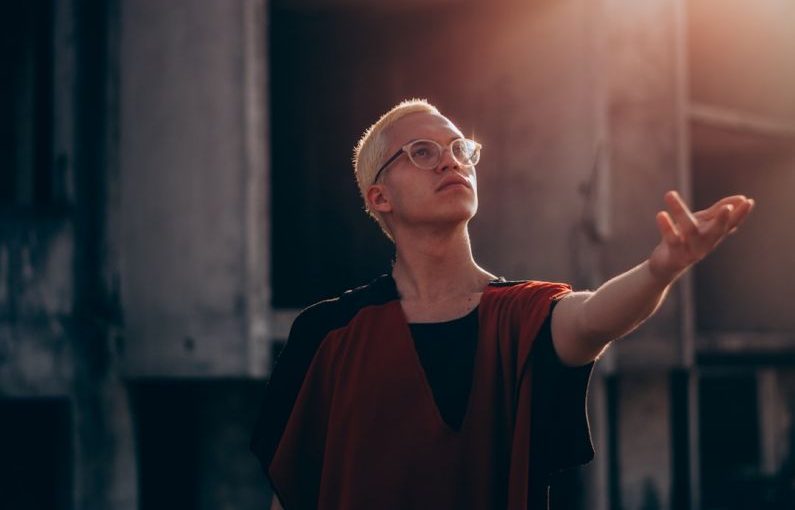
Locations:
(440, 212)
(457, 215)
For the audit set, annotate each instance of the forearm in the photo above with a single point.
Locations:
(621, 304)
(584, 322)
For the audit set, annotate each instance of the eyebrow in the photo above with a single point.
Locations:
(448, 141)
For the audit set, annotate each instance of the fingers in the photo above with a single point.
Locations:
(712, 211)
(701, 231)
(718, 228)
(740, 213)
(742, 206)
(667, 229)
(688, 237)
(686, 223)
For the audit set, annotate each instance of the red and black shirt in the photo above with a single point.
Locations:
(360, 413)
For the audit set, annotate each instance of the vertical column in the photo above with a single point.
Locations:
(257, 185)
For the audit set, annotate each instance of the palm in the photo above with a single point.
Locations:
(689, 237)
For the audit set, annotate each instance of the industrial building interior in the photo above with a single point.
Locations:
(176, 185)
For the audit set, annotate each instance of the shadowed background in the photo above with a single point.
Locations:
(176, 184)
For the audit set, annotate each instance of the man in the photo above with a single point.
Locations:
(442, 385)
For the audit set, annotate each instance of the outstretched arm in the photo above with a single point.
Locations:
(583, 323)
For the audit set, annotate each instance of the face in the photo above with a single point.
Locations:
(408, 196)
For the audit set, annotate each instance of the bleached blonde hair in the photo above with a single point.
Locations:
(371, 151)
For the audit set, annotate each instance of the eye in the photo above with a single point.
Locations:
(423, 150)
(462, 149)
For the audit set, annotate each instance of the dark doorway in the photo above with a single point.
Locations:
(166, 416)
(36, 458)
(26, 104)
(729, 441)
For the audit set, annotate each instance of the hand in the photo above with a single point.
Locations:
(689, 237)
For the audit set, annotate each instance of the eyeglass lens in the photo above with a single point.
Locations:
(426, 154)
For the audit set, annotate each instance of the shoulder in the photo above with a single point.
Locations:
(310, 327)
(528, 293)
(335, 313)
(527, 285)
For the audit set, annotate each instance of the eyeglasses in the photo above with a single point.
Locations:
(426, 154)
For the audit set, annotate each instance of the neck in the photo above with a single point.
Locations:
(432, 265)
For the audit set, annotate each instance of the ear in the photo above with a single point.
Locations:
(378, 199)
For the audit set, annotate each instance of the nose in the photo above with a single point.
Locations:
(447, 161)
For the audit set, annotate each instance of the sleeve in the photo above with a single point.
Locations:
(528, 305)
(560, 422)
(285, 383)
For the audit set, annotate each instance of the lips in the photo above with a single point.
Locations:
(453, 180)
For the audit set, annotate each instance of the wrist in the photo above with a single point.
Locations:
(662, 277)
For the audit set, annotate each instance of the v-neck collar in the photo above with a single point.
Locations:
(407, 343)
(386, 287)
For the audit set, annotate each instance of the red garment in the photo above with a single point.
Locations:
(364, 431)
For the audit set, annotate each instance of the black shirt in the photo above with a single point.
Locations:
(447, 353)
(558, 427)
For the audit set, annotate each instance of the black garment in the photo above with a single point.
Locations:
(362, 337)
(447, 352)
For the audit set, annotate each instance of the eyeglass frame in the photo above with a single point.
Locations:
(405, 149)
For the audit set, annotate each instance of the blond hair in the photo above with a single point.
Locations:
(371, 151)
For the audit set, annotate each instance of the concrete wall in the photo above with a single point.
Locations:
(750, 276)
(61, 330)
(36, 301)
(643, 70)
(741, 63)
(645, 432)
(58, 319)
(193, 224)
(743, 56)
(161, 269)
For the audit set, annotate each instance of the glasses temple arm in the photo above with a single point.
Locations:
(390, 160)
